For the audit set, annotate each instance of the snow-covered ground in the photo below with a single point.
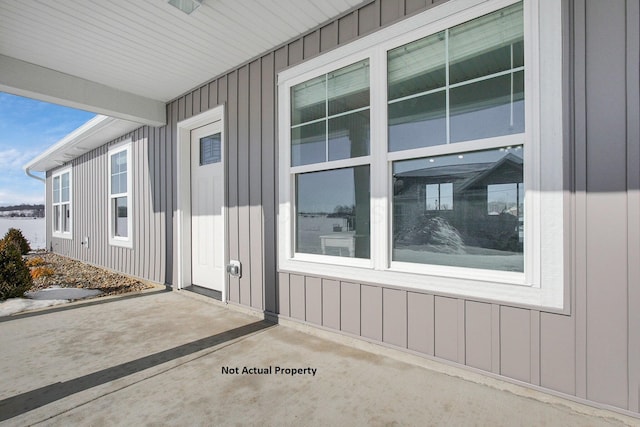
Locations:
(33, 229)
(45, 298)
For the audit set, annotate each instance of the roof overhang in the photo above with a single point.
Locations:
(127, 59)
(96, 132)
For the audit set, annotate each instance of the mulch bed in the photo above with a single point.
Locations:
(69, 273)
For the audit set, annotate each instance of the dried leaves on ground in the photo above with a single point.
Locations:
(69, 273)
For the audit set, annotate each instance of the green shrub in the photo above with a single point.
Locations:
(15, 236)
(15, 278)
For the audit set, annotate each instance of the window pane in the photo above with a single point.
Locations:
(210, 151)
(56, 189)
(332, 212)
(121, 215)
(470, 232)
(348, 88)
(487, 108)
(123, 182)
(64, 187)
(115, 184)
(66, 218)
(308, 144)
(308, 100)
(349, 136)
(418, 122)
(417, 67)
(56, 218)
(486, 45)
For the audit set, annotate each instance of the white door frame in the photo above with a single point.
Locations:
(183, 235)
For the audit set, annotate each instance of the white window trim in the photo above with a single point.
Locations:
(126, 242)
(62, 234)
(544, 283)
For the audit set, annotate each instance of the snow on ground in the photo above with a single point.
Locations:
(33, 229)
(49, 297)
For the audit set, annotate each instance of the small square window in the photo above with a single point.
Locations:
(210, 150)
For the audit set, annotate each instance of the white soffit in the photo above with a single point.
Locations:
(149, 48)
(92, 134)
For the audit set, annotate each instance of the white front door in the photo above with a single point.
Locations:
(207, 200)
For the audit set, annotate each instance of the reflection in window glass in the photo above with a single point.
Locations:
(439, 196)
(349, 136)
(470, 233)
(482, 96)
(121, 217)
(487, 108)
(330, 116)
(332, 212)
(210, 150)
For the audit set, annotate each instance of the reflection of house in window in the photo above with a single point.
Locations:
(479, 196)
(439, 196)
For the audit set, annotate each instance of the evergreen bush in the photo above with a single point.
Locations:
(15, 236)
(15, 278)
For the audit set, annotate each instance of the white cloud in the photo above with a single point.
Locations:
(15, 159)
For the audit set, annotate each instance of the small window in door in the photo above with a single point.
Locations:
(210, 149)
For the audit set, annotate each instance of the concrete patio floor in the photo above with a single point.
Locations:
(167, 358)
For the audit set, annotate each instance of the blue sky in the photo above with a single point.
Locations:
(27, 128)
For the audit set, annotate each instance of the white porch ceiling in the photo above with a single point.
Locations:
(140, 51)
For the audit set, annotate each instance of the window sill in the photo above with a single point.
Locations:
(67, 236)
(121, 243)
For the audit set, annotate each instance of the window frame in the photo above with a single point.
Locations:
(544, 282)
(59, 232)
(114, 240)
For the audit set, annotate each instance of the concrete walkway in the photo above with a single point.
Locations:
(170, 358)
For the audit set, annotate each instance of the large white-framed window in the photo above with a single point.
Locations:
(120, 212)
(429, 155)
(61, 204)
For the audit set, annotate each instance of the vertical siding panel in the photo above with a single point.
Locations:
(350, 307)
(446, 328)
(394, 317)
(188, 105)
(163, 196)
(515, 339)
(313, 300)
(607, 345)
(255, 184)
(478, 326)
(328, 36)
(311, 44)
(633, 185)
(495, 338)
(391, 10)
(204, 97)
(371, 312)
(535, 347)
(196, 101)
(283, 294)
(244, 227)
(232, 179)
(171, 189)
(296, 51)
(331, 303)
(413, 6)
(213, 95)
(297, 297)
(347, 28)
(269, 193)
(421, 323)
(369, 18)
(281, 60)
(557, 353)
(580, 177)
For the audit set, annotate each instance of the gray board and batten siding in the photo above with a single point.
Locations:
(592, 352)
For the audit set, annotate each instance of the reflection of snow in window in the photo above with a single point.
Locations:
(440, 197)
